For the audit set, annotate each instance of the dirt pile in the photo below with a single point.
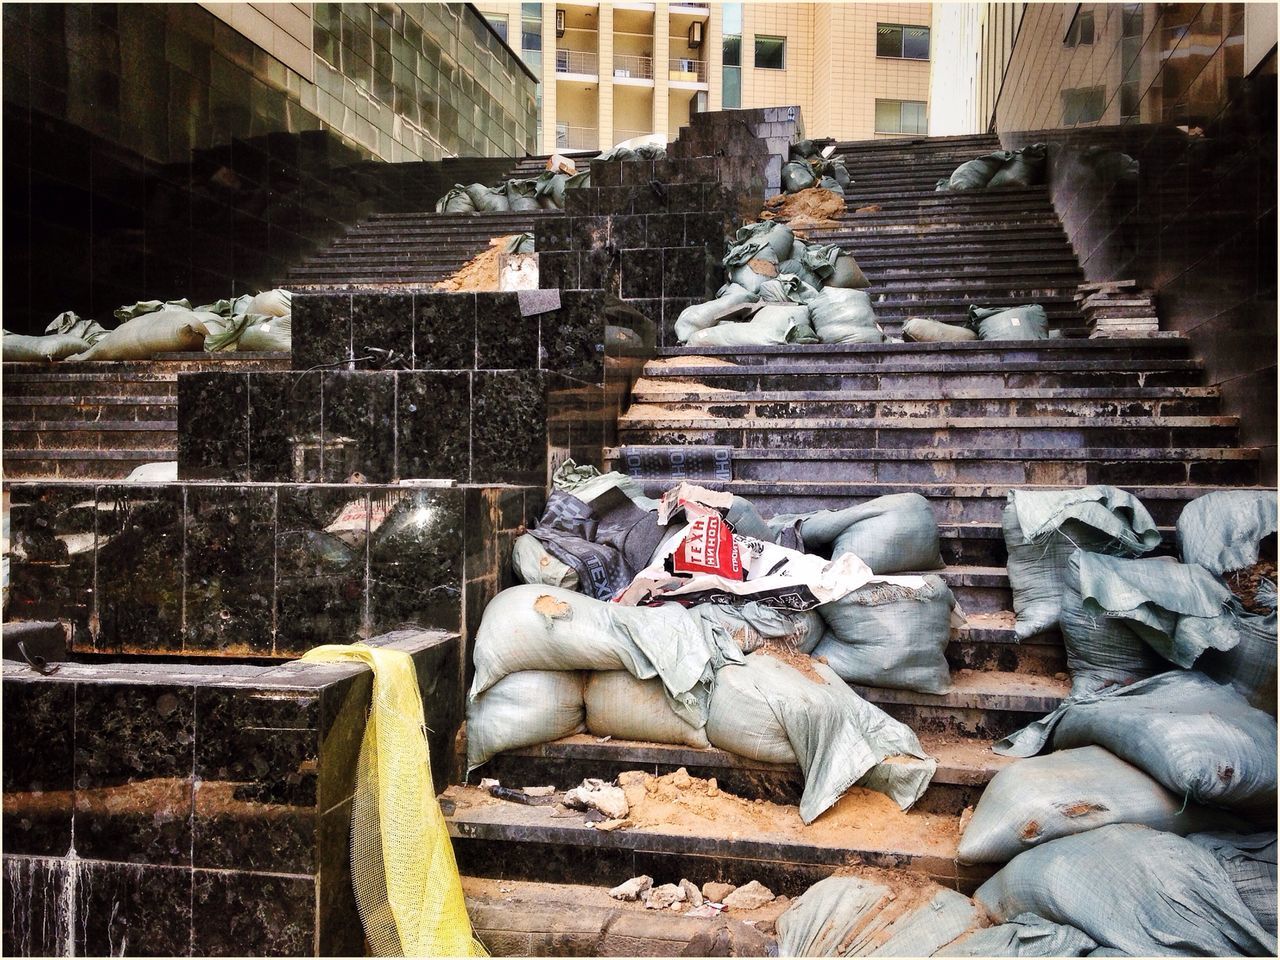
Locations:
(480, 273)
(1244, 584)
(813, 208)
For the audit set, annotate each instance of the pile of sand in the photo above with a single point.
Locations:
(813, 208)
(1244, 584)
(479, 274)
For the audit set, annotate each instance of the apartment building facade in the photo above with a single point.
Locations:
(612, 71)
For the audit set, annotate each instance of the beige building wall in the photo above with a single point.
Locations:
(281, 29)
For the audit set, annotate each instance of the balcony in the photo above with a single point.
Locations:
(579, 62)
(576, 138)
(688, 71)
(633, 68)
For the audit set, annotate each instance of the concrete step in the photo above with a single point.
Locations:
(80, 464)
(1011, 465)
(128, 407)
(89, 435)
(952, 502)
(965, 766)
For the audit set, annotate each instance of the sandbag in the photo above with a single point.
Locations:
(1123, 620)
(519, 197)
(701, 316)
(1024, 168)
(855, 917)
(804, 150)
(619, 705)
(797, 175)
(1042, 528)
(831, 184)
(1199, 738)
(149, 335)
(457, 200)
(272, 303)
(753, 239)
(1249, 860)
(523, 709)
(766, 710)
(844, 316)
(489, 199)
(1026, 935)
(773, 323)
(847, 275)
(752, 625)
(1250, 666)
(536, 627)
(1028, 322)
(143, 307)
(890, 534)
(796, 268)
(787, 288)
(976, 174)
(533, 564)
(922, 330)
(752, 274)
(1041, 799)
(1221, 531)
(1131, 888)
(890, 635)
(70, 324)
(274, 335)
(16, 348)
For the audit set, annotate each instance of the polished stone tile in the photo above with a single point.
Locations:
(230, 570)
(505, 340)
(573, 337)
(213, 418)
(340, 934)
(444, 332)
(237, 914)
(433, 422)
(133, 772)
(51, 556)
(140, 568)
(382, 321)
(321, 324)
(359, 426)
(415, 559)
(124, 909)
(35, 909)
(284, 427)
(508, 427)
(37, 763)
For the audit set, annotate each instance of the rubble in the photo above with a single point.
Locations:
(667, 895)
(632, 889)
(749, 897)
(716, 891)
(480, 274)
(597, 795)
(691, 893)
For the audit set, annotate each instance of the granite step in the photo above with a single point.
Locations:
(965, 766)
(1011, 465)
(952, 502)
(80, 464)
(911, 192)
(86, 434)
(17, 409)
(1139, 352)
(89, 386)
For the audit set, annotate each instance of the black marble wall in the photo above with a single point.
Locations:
(210, 805)
(749, 148)
(1173, 182)
(262, 570)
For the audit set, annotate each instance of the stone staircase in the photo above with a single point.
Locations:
(826, 426)
(413, 246)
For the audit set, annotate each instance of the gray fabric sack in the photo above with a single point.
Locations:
(1026, 935)
(734, 304)
(890, 534)
(1250, 861)
(1221, 530)
(1040, 799)
(1027, 322)
(1199, 738)
(618, 705)
(1249, 666)
(772, 324)
(888, 635)
(924, 330)
(1133, 889)
(845, 316)
(523, 709)
(1042, 528)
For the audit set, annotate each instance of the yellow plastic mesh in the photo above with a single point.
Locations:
(406, 879)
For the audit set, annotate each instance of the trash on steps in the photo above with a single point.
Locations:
(1133, 889)
(544, 192)
(593, 794)
(748, 897)
(1043, 798)
(808, 209)
(525, 796)
(1042, 528)
(1117, 309)
(1200, 739)
(632, 889)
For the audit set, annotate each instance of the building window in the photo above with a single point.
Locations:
(499, 24)
(732, 51)
(732, 95)
(731, 30)
(1083, 105)
(732, 22)
(771, 53)
(902, 42)
(530, 26)
(1080, 33)
(902, 116)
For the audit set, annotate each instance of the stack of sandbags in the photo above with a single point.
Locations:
(1003, 168)
(544, 192)
(808, 167)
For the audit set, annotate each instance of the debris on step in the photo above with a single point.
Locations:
(749, 897)
(595, 794)
(715, 891)
(632, 889)
(667, 895)
(812, 208)
(607, 826)
(540, 791)
(480, 274)
(520, 796)
(729, 939)
(691, 893)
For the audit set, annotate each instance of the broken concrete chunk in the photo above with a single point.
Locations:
(716, 891)
(607, 826)
(659, 898)
(488, 783)
(691, 893)
(754, 894)
(597, 795)
(632, 889)
(539, 791)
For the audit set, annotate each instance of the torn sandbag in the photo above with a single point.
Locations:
(151, 334)
(1027, 322)
(533, 564)
(787, 288)
(1199, 738)
(753, 625)
(523, 709)
(1131, 888)
(890, 534)
(1042, 528)
(1026, 935)
(769, 711)
(535, 627)
(1024, 168)
(856, 917)
(1041, 799)
(734, 304)
(977, 173)
(17, 348)
(521, 196)
(890, 635)
(796, 268)
(755, 272)
(844, 316)
(69, 323)
(773, 323)
(753, 239)
(1249, 860)
(1250, 666)
(619, 705)
(1125, 620)
(1222, 530)
(457, 200)
(922, 330)
(143, 307)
